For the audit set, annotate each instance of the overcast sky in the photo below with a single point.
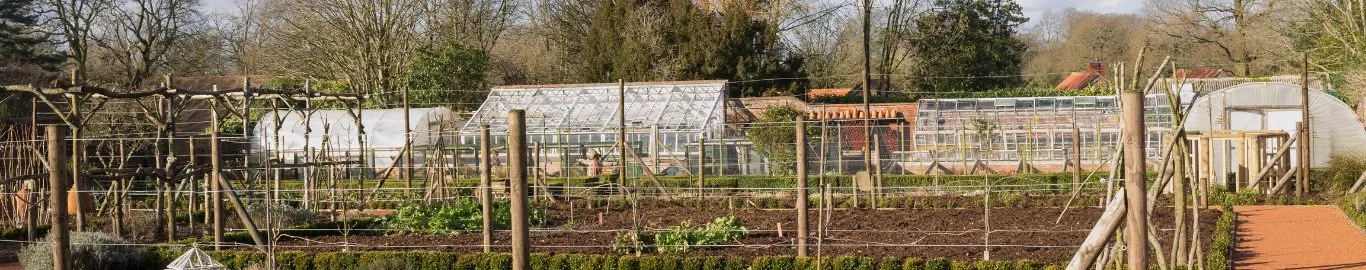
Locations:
(1032, 8)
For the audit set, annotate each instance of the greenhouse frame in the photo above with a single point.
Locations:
(1035, 129)
(667, 114)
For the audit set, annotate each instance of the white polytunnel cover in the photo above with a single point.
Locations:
(1336, 130)
(383, 130)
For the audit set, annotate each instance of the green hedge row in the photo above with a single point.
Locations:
(21, 234)
(429, 260)
(1222, 247)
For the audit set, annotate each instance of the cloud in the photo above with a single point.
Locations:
(1035, 8)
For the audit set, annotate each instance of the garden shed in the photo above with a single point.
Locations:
(1274, 106)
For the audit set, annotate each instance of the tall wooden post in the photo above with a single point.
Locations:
(802, 227)
(1135, 173)
(77, 158)
(867, 85)
(215, 175)
(32, 217)
(1076, 159)
(701, 165)
(485, 187)
(57, 178)
(517, 153)
(621, 131)
(1306, 138)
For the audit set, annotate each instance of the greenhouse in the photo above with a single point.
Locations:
(337, 132)
(1036, 129)
(666, 114)
(1271, 106)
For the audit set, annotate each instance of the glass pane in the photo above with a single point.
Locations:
(967, 105)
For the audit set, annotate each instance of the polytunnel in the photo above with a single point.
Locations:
(1336, 130)
(301, 131)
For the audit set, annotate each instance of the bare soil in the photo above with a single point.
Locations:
(1018, 233)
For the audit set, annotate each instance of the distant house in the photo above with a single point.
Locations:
(1094, 74)
(880, 88)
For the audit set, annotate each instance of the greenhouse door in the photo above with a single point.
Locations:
(1285, 120)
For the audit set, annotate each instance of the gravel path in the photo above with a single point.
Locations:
(1297, 237)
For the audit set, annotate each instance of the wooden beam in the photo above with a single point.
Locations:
(1100, 233)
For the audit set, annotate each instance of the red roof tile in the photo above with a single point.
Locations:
(1077, 80)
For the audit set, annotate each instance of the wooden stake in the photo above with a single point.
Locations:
(485, 187)
(215, 190)
(517, 158)
(701, 169)
(621, 131)
(57, 178)
(1100, 233)
(407, 143)
(1302, 187)
(1076, 159)
(1135, 174)
(802, 227)
(32, 217)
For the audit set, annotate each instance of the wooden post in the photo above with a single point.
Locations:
(32, 217)
(867, 86)
(407, 146)
(215, 190)
(1302, 187)
(77, 157)
(57, 178)
(517, 158)
(1135, 174)
(1179, 204)
(194, 183)
(876, 171)
(1207, 169)
(621, 131)
(802, 201)
(1100, 233)
(242, 214)
(701, 166)
(485, 187)
(118, 209)
(1076, 159)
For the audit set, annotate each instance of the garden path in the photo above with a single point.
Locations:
(1297, 237)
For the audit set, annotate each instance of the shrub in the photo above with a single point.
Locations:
(1354, 206)
(143, 228)
(281, 215)
(1223, 241)
(89, 250)
(683, 238)
(1341, 173)
(463, 215)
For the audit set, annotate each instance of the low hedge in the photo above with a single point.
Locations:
(1354, 206)
(425, 260)
(21, 234)
(1222, 247)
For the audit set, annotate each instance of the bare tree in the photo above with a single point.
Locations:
(479, 23)
(74, 19)
(138, 34)
(1242, 33)
(367, 43)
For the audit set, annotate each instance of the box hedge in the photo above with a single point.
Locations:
(431, 260)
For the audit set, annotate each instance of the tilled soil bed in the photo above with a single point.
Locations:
(1017, 233)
